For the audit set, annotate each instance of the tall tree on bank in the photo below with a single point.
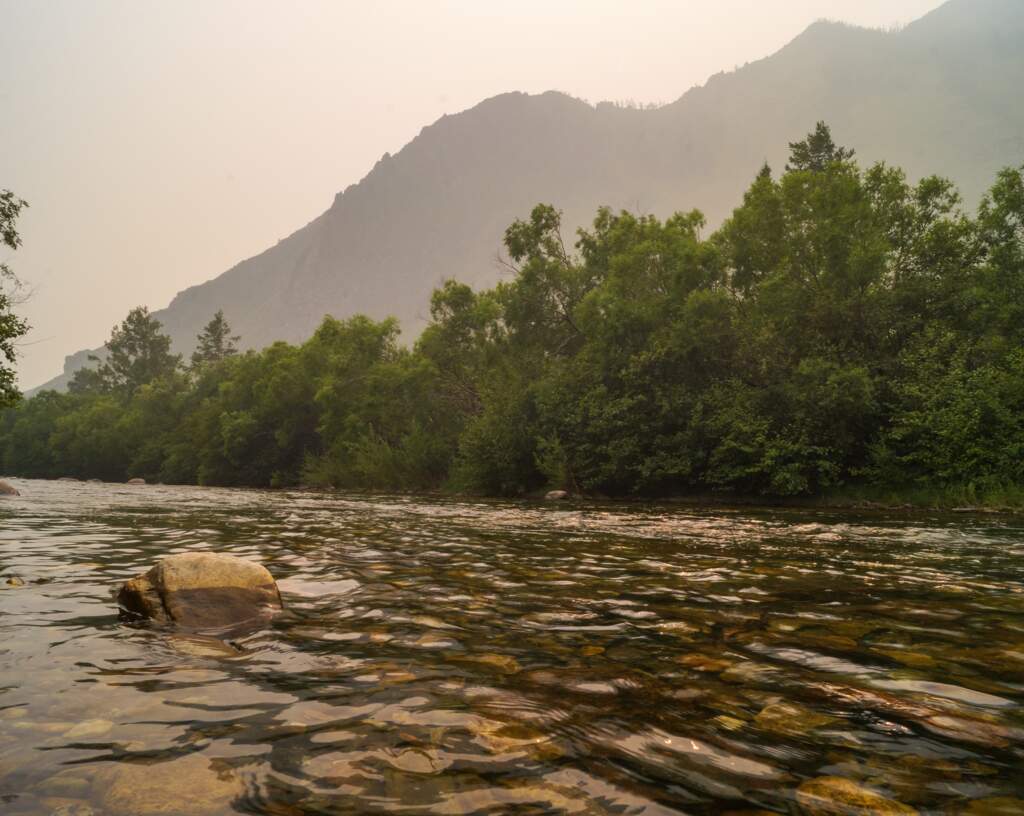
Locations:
(817, 151)
(215, 342)
(11, 326)
(137, 353)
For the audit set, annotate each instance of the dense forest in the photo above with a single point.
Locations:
(843, 330)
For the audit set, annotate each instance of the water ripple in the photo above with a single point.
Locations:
(447, 657)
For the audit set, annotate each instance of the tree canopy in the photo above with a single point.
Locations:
(843, 329)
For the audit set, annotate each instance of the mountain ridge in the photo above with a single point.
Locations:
(932, 97)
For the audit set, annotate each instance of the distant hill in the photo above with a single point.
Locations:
(939, 96)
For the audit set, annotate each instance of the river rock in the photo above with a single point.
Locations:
(203, 590)
(557, 495)
(15, 581)
(182, 787)
(998, 806)
(67, 479)
(202, 646)
(7, 489)
(136, 481)
(836, 796)
(67, 807)
(89, 729)
(790, 718)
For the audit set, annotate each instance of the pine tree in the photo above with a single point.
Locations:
(215, 342)
(817, 151)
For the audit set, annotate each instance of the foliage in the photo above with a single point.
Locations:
(137, 353)
(11, 326)
(817, 151)
(844, 330)
(215, 342)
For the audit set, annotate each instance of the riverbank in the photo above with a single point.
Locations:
(960, 500)
(855, 497)
(966, 500)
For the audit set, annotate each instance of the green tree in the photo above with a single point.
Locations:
(842, 327)
(11, 326)
(817, 151)
(137, 354)
(88, 442)
(88, 380)
(215, 342)
(26, 435)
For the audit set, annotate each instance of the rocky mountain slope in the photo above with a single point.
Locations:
(939, 96)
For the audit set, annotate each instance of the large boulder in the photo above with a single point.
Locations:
(202, 590)
(7, 489)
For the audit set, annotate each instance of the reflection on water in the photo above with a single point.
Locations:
(452, 657)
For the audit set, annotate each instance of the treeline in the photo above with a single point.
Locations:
(843, 328)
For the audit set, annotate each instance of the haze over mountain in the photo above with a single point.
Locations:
(935, 97)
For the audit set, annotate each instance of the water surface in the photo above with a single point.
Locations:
(450, 657)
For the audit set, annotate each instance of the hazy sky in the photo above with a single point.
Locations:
(159, 143)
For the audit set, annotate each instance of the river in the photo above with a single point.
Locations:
(449, 656)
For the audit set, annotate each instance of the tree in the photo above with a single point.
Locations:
(215, 342)
(817, 151)
(137, 353)
(11, 326)
(842, 328)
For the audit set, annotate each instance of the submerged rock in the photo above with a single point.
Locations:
(136, 481)
(7, 489)
(68, 479)
(189, 786)
(15, 581)
(790, 718)
(67, 807)
(202, 646)
(202, 589)
(998, 806)
(836, 796)
(557, 495)
(89, 729)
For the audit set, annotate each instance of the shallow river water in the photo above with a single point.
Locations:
(457, 657)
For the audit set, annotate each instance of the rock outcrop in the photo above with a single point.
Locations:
(7, 489)
(202, 590)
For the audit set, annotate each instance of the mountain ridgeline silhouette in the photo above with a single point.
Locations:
(934, 97)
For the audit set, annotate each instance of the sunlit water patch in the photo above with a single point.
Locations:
(512, 658)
